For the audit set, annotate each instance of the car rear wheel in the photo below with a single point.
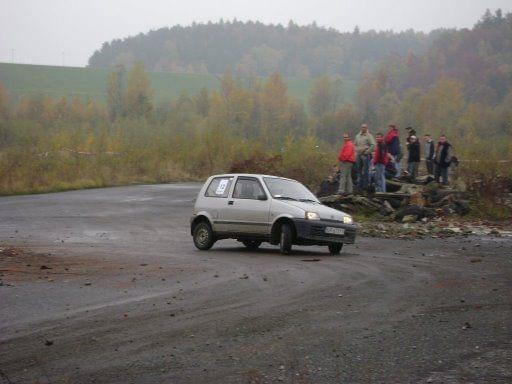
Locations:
(335, 248)
(251, 244)
(203, 236)
(286, 239)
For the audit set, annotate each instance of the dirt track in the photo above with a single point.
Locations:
(105, 286)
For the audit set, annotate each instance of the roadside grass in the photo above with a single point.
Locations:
(489, 210)
(489, 181)
(62, 173)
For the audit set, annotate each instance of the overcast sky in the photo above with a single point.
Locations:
(68, 31)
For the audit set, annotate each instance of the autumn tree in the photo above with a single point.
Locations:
(115, 91)
(371, 88)
(77, 109)
(93, 113)
(138, 98)
(274, 123)
(31, 107)
(386, 109)
(324, 96)
(61, 111)
(202, 102)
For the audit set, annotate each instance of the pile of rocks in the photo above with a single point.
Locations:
(438, 228)
(406, 202)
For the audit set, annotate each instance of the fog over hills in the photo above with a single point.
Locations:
(62, 32)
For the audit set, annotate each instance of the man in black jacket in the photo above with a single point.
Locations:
(430, 152)
(413, 161)
(443, 159)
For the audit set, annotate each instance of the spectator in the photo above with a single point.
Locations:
(430, 152)
(391, 168)
(413, 161)
(347, 158)
(443, 157)
(410, 132)
(365, 144)
(380, 159)
(392, 140)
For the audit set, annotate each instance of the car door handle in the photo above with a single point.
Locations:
(231, 202)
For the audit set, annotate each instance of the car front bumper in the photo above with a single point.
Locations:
(313, 232)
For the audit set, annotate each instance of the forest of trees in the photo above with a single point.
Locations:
(462, 85)
(256, 49)
(453, 88)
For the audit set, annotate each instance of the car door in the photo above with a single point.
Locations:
(216, 199)
(248, 208)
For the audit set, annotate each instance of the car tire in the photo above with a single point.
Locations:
(203, 236)
(251, 244)
(285, 243)
(335, 248)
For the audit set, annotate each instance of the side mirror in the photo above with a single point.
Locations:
(262, 197)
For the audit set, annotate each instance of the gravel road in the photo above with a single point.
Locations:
(105, 286)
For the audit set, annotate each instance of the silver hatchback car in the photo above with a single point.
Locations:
(257, 208)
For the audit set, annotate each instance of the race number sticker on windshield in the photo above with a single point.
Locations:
(222, 187)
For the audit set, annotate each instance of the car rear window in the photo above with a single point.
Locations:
(219, 187)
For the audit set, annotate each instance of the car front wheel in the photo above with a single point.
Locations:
(335, 248)
(286, 239)
(203, 236)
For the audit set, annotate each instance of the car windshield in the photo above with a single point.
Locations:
(288, 189)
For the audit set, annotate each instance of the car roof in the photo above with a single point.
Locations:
(250, 175)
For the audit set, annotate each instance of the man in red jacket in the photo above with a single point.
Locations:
(380, 159)
(347, 158)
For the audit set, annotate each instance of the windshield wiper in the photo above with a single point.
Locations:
(285, 198)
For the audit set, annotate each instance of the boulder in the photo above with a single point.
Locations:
(409, 219)
(386, 208)
(417, 199)
(413, 210)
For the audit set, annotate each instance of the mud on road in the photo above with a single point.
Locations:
(105, 286)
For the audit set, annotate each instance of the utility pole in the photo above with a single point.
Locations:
(63, 58)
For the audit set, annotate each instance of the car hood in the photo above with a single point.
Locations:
(325, 212)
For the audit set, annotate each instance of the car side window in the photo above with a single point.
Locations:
(247, 189)
(219, 187)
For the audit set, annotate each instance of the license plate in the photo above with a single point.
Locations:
(335, 231)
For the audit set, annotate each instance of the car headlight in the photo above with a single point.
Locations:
(312, 216)
(347, 220)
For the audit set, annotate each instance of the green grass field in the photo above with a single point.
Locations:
(57, 82)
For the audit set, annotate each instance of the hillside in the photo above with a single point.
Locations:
(479, 59)
(256, 49)
(461, 86)
(57, 82)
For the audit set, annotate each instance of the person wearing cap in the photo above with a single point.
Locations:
(413, 160)
(365, 144)
(347, 158)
